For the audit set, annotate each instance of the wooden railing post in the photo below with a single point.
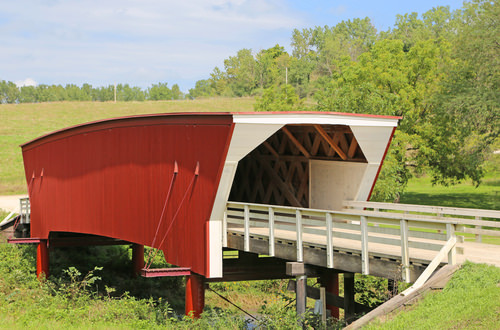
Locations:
(450, 233)
(405, 256)
(479, 237)
(271, 232)
(246, 224)
(298, 221)
(329, 243)
(365, 260)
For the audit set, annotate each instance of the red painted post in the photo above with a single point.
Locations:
(195, 295)
(137, 258)
(330, 280)
(42, 259)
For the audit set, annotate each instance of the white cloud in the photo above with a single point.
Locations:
(26, 82)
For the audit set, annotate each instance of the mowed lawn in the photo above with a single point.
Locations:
(20, 123)
(466, 194)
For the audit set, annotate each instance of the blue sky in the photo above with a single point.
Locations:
(142, 42)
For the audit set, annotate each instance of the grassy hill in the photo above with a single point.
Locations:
(21, 123)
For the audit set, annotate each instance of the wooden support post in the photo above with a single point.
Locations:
(298, 270)
(42, 259)
(301, 295)
(349, 311)
(392, 287)
(330, 280)
(322, 297)
(195, 295)
(137, 259)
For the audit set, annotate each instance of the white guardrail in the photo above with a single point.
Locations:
(472, 221)
(424, 232)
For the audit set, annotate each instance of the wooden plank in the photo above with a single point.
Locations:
(330, 141)
(296, 142)
(442, 275)
(432, 266)
(486, 232)
(271, 149)
(284, 188)
(426, 209)
(352, 148)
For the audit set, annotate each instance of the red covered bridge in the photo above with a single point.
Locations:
(164, 180)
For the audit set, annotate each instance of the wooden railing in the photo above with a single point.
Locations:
(473, 221)
(407, 231)
(24, 210)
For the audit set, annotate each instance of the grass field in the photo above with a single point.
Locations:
(21, 123)
(471, 300)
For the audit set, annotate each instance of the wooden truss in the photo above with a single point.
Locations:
(277, 171)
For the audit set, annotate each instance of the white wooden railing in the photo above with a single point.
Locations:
(25, 210)
(472, 221)
(365, 227)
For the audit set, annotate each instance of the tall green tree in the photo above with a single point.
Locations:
(240, 70)
(468, 104)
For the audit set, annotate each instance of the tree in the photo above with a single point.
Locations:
(9, 93)
(388, 80)
(240, 70)
(202, 88)
(176, 92)
(278, 98)
(468, 103)
(160, 91)
(218, 82)
(271, 64)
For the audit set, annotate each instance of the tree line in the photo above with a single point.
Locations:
(11, 93)
(439, 71)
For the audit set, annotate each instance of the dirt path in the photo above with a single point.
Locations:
(10, 203)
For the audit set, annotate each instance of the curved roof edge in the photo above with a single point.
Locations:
(310, 117)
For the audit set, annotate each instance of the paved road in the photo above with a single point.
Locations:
(10, 203)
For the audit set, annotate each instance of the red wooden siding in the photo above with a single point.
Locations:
(111, 178)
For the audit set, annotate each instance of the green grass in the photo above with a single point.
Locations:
(466, 194)
(21, 123)
(470, 300)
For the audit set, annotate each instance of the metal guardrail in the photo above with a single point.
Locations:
(389, 229)
(470, 221)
